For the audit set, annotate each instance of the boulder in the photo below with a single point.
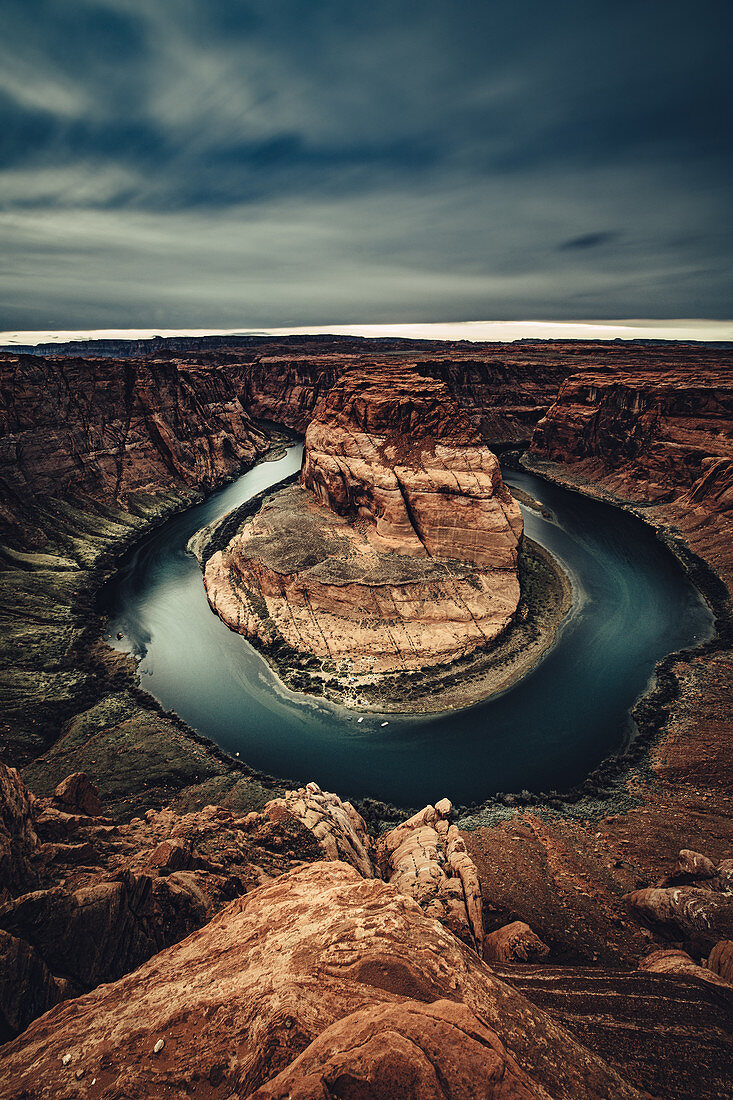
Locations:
(700, 917)
(438, 1051)
(515, 942)
(77, 794)
(695, 864)
(679, 964)
(720, 960)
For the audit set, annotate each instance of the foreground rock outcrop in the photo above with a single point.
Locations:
(86, 900)
(301, 968)
(397, 551)
(425, 857)
(339, 830)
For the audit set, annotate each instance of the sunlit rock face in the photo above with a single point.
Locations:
(395, 449)
(397, 550)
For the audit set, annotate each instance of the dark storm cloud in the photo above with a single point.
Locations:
(588, 240)
(180, 162)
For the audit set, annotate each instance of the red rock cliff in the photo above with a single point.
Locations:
(109, 427)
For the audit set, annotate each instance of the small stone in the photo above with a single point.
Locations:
(444, 807)
(159, 1046)
(66, 1059)
(695, 864)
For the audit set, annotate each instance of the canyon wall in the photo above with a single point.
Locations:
(107, 428)
(656, 436)
(183, 415)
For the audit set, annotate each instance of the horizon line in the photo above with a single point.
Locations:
(677, 329)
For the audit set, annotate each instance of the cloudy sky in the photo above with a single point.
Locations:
(209, 163)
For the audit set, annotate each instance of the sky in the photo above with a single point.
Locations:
(215, 164)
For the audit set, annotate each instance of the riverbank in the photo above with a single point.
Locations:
(70, 702)
(143, 755)
(683, 681)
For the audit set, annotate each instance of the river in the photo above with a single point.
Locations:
(633, 605)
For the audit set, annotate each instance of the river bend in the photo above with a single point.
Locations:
(633, 605)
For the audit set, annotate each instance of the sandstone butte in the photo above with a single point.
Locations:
(398, 548)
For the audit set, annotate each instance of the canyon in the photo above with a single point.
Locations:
(588, 964)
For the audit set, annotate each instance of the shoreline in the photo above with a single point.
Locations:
(602, 788)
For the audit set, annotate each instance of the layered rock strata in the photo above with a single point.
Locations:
(98, 427)
(398, 550)
(657, 436)
(217, 855)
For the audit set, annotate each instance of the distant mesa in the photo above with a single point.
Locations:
(397, 549)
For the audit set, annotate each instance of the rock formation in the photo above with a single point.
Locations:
(96, 898)
(720, 960)
(339, 830)
(425, 857)
(672, 960)
(101, 427)
(651, 434)
(515, 942)
(18, 838)
(87, 899)
(698, 915)
(398, 550)
(300, 968)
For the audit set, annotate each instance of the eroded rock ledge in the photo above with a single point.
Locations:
(397, 550)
